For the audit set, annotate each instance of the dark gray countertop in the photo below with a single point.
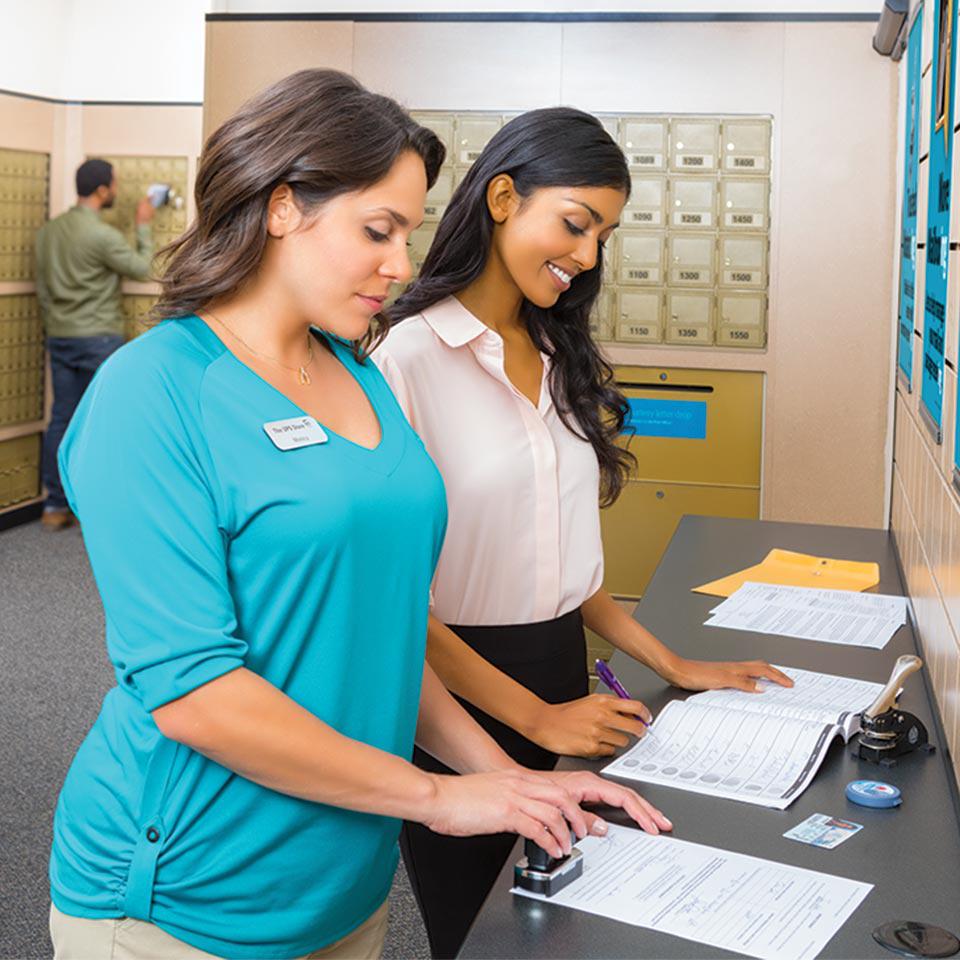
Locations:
(911, 854)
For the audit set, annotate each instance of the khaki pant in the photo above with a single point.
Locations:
(76, 938)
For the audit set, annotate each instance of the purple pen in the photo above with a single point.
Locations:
(610, 679)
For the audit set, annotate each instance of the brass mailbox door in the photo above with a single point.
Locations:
(638, 527)
(697, 436)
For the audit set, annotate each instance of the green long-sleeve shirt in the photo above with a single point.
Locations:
(80, 260)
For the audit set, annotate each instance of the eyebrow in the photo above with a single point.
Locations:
(398, 217)
(597, 218)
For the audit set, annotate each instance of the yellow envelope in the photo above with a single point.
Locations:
(790, 569)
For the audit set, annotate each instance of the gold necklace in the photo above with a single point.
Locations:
(300, 370)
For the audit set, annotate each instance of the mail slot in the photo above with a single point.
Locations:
(743, 261)
(693, 144)
(640, 258)
(639, 315)
(691, 260)
(644, 141)
(690, 317)
(740, 319)
(693, 203)
(744, 204)
(472, 135)
(746, 146)
(647, 203)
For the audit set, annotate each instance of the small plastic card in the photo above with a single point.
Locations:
(820, 830)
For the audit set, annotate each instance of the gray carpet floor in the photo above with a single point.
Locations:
(53, 674)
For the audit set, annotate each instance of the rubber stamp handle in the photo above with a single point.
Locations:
(887, 697)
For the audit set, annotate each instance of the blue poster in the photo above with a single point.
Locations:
(938, 213)
(681, 419)
(908, 219)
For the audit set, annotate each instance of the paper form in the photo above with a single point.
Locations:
(755, 907)
(761, 748)
(813, 696)
(830, 616)
(738, 755)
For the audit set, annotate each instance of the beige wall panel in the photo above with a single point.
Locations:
(155, 130)
(662, 67)
(245, 56)
(831, 291)
(949, 697)
(461, 66)
(27, 124)
(951, 588)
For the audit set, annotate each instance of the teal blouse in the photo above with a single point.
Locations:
(214, 549)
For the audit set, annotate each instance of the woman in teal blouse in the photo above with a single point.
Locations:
(263, 526)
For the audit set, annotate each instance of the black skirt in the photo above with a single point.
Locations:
(548, 658)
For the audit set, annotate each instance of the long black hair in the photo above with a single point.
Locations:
(553, 147)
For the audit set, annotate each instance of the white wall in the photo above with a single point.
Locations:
(547, 6)
(32, 44)
(118, 50)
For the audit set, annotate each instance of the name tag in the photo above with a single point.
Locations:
(294, 433)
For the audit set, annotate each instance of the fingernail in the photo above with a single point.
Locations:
(669, 823)
(599, 828)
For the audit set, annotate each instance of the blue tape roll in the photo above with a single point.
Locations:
(873, 793)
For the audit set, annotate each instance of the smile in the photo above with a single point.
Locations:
(563, 277)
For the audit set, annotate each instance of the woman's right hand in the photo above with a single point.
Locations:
(509, 801)
(593, 726)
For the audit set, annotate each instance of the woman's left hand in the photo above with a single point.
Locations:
(707, 675)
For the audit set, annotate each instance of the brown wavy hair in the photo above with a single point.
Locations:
(320, 132)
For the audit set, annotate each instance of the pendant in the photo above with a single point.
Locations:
(304, 377)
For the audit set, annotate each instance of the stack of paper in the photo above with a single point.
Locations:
(731, 901)
(831, 616)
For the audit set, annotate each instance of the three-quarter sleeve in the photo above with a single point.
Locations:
(137, 473)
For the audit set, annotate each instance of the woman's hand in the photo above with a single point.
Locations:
(705, 675)
(510, 801)
(587, 787)
(541, 806)
(592, 726)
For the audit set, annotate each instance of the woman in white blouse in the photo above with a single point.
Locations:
(492, 361)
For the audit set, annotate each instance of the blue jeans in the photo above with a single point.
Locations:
(73, 362)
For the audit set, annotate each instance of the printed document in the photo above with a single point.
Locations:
(762, 748)
(831, 616)
(727, 900)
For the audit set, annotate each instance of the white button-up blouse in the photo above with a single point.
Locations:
(523, 537)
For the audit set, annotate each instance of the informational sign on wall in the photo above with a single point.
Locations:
(680, 419)
(939, 190)
(908, 219)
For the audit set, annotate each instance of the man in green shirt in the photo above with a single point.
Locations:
(80, 261)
